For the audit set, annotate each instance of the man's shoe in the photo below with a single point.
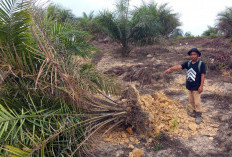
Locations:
(198, 117)
(193, 114)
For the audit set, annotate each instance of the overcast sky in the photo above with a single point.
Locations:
(195, 15)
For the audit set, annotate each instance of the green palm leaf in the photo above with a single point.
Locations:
(107, 20)
(118, 24)
(14, 23)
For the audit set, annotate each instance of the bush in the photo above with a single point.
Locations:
(211, 32)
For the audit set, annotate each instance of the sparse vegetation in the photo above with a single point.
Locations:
(158, 147)
(173, 124)
(159, 136)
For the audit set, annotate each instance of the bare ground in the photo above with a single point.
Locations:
(145, 66)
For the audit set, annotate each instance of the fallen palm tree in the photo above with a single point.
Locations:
(58, 109)
(54, 103)
(49, 104)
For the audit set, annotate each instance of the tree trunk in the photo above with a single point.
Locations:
(125, 49)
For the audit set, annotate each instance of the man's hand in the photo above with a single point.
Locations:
(167, 71)
(200, 89)
(173, 68)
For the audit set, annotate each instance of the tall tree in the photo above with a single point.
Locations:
(176, 33)
(168, 20)
(56, 12)
(118, 24)
(224, 23)
(150, 21)
(145, 23)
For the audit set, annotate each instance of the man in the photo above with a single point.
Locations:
(194, 81)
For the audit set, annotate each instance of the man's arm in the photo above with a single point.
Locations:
(173, 68)
(200, 89)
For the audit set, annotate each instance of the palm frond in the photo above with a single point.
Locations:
(151, 21)
(107, 20)
(224, 22)
(48, 103)
(58, 13)
(145, 23)
(16, 152)
(15, 23)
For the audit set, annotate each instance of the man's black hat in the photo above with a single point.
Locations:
(194, 50)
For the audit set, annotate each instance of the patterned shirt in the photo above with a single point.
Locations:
(193, 77)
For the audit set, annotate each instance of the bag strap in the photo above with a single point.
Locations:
(189, 62)
(199, 65)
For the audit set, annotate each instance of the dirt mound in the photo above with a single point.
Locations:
(140, 119)
(171, 117)
(167, 115)
(140, 73)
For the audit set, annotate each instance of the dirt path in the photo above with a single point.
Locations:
(216, 99)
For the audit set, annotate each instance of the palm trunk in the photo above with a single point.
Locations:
(125, 51)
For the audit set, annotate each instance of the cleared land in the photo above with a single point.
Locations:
(178, 135)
